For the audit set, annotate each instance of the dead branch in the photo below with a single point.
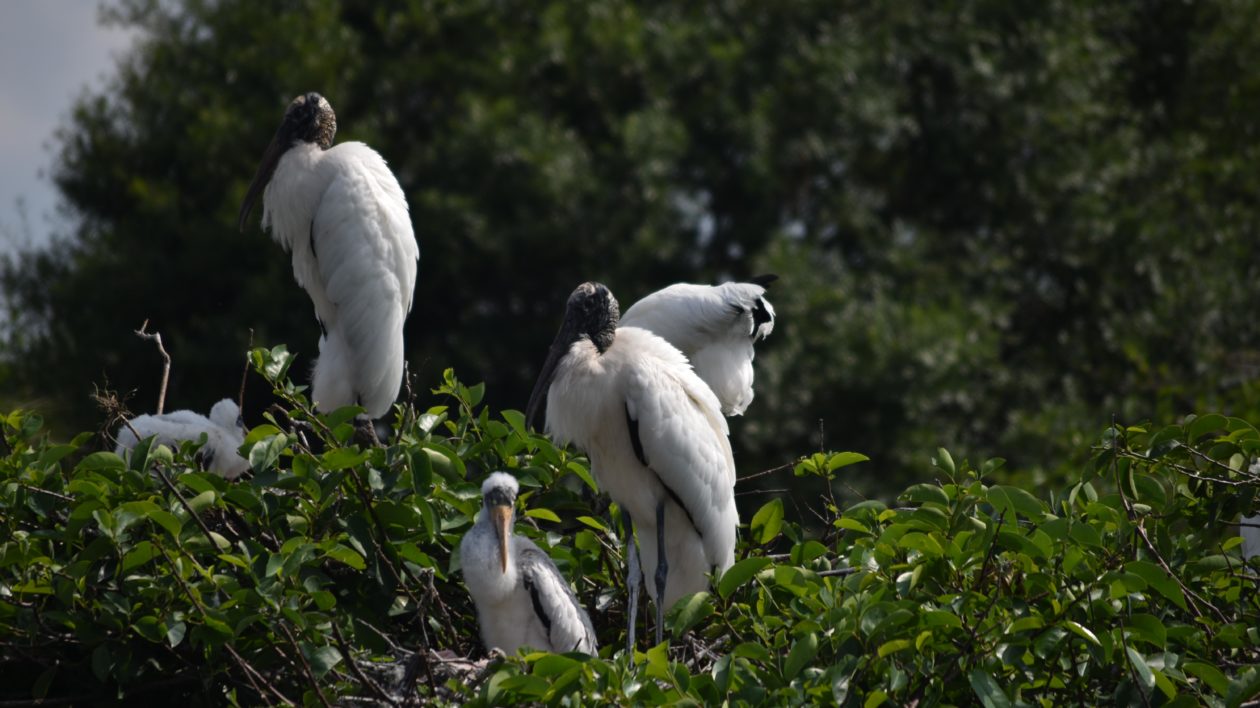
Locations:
(156, 337)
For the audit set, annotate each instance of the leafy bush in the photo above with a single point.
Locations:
(331, 575)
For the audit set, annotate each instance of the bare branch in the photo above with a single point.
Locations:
(156, 337)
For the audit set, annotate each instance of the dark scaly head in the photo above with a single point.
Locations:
(592, 313)
(308, 119)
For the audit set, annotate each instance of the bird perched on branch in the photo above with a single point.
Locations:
(521, 598)
(342, 215)
(656, 439)
(223, 430)
(715, 326)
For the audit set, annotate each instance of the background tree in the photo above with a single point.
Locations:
(997, 224)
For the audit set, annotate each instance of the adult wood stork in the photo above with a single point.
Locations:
(715, 326)
(341, 213)
(521, 598)
(656, 438)
(223, 430)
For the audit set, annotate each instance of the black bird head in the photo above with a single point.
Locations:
(590, 313)
(309, 119)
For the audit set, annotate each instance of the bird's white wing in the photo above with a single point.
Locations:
(567, 624)
(693, 316)
(366, 254)
(684, 439)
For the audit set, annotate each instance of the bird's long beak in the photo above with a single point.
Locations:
(564, 339)
(279, 145)
(501, 517)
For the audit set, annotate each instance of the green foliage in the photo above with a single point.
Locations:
(152, 579)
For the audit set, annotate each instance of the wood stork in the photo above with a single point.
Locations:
(715, 326)
(656, 439)
(521, 598)
(342, 214)
(223, 430)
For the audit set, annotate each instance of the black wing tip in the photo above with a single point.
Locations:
(764, 279)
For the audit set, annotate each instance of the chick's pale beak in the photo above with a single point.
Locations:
(501, 517)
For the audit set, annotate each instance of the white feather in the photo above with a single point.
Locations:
(1250, 537)
(715, 327)
(684, 438)
(343, 216)
(223, 436)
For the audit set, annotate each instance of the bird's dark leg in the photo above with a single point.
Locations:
(633, 579)
(662, 571)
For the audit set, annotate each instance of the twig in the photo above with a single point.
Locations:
(763, 473)
(156, 337)
(240, 398)
(356, 669)
(836, 571)
(761, 491)
(306, 665)
(184, 503)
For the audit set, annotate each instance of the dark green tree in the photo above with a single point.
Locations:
(997, 223)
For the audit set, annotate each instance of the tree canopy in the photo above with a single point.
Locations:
(996, 224)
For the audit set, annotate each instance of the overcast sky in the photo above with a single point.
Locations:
(50, 52)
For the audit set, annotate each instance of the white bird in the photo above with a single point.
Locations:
(342, 214)
(715, 326)
(223, 430)
(521, 598)
(1250, 537)
(656, 439)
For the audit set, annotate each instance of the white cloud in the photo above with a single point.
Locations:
(50, 51)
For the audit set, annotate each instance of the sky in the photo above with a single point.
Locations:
(51, 51)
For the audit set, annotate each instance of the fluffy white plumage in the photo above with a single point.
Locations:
(715, 326)
(641, 377)
(222, 431)
(343, 216)
(528, 603)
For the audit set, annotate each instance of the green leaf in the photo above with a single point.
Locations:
(767, 521)
(1244, 687)
(346, 555)
(689, 611)
(322, 659)
(1205, 424)
(740, 573)
(802, 652)
(1082, 632)
(894, 645)
(1015, 500)
(142, 553)
(101, 462)
(544, 514)
(1158, 579)
(926, 493)
(988, 690)
(844, 459)
(341, 458)
(1209, 675)
(1141, 668)
(264, 455)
